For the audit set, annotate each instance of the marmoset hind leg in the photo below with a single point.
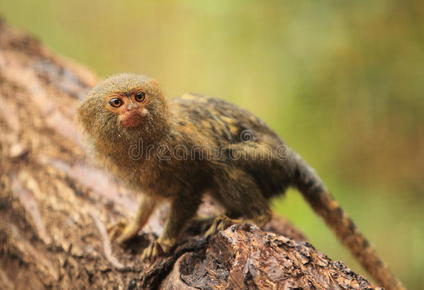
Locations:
(242, 199)
(254, 173)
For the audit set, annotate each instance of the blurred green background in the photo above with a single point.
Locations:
(341, 81)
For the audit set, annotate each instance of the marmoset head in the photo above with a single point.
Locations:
(123, 105)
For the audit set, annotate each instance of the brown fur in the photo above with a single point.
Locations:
(194, 144)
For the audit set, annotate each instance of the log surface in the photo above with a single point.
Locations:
(55, 206)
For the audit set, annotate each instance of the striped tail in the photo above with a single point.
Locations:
(313, 190)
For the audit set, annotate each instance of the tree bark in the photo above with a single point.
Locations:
(55, 206)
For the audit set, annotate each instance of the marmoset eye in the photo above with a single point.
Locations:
(115, 102)
(140, 96)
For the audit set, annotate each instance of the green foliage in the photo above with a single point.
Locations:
(341, 81)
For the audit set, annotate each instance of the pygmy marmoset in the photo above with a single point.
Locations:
(177, 150)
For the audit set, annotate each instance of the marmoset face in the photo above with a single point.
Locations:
(130, 106)
(128, 101)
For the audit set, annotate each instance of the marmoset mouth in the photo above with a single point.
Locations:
(131, 119)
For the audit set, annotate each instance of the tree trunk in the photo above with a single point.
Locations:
(55, 206)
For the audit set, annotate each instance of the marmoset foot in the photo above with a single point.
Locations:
(220, 223)
(122, 232)
(155, 249)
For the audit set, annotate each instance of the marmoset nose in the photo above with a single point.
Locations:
(131, 107)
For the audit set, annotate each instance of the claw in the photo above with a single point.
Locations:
(157, 248)
(153, 251)
(220, 223)
(115, 230)
(122, 232)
